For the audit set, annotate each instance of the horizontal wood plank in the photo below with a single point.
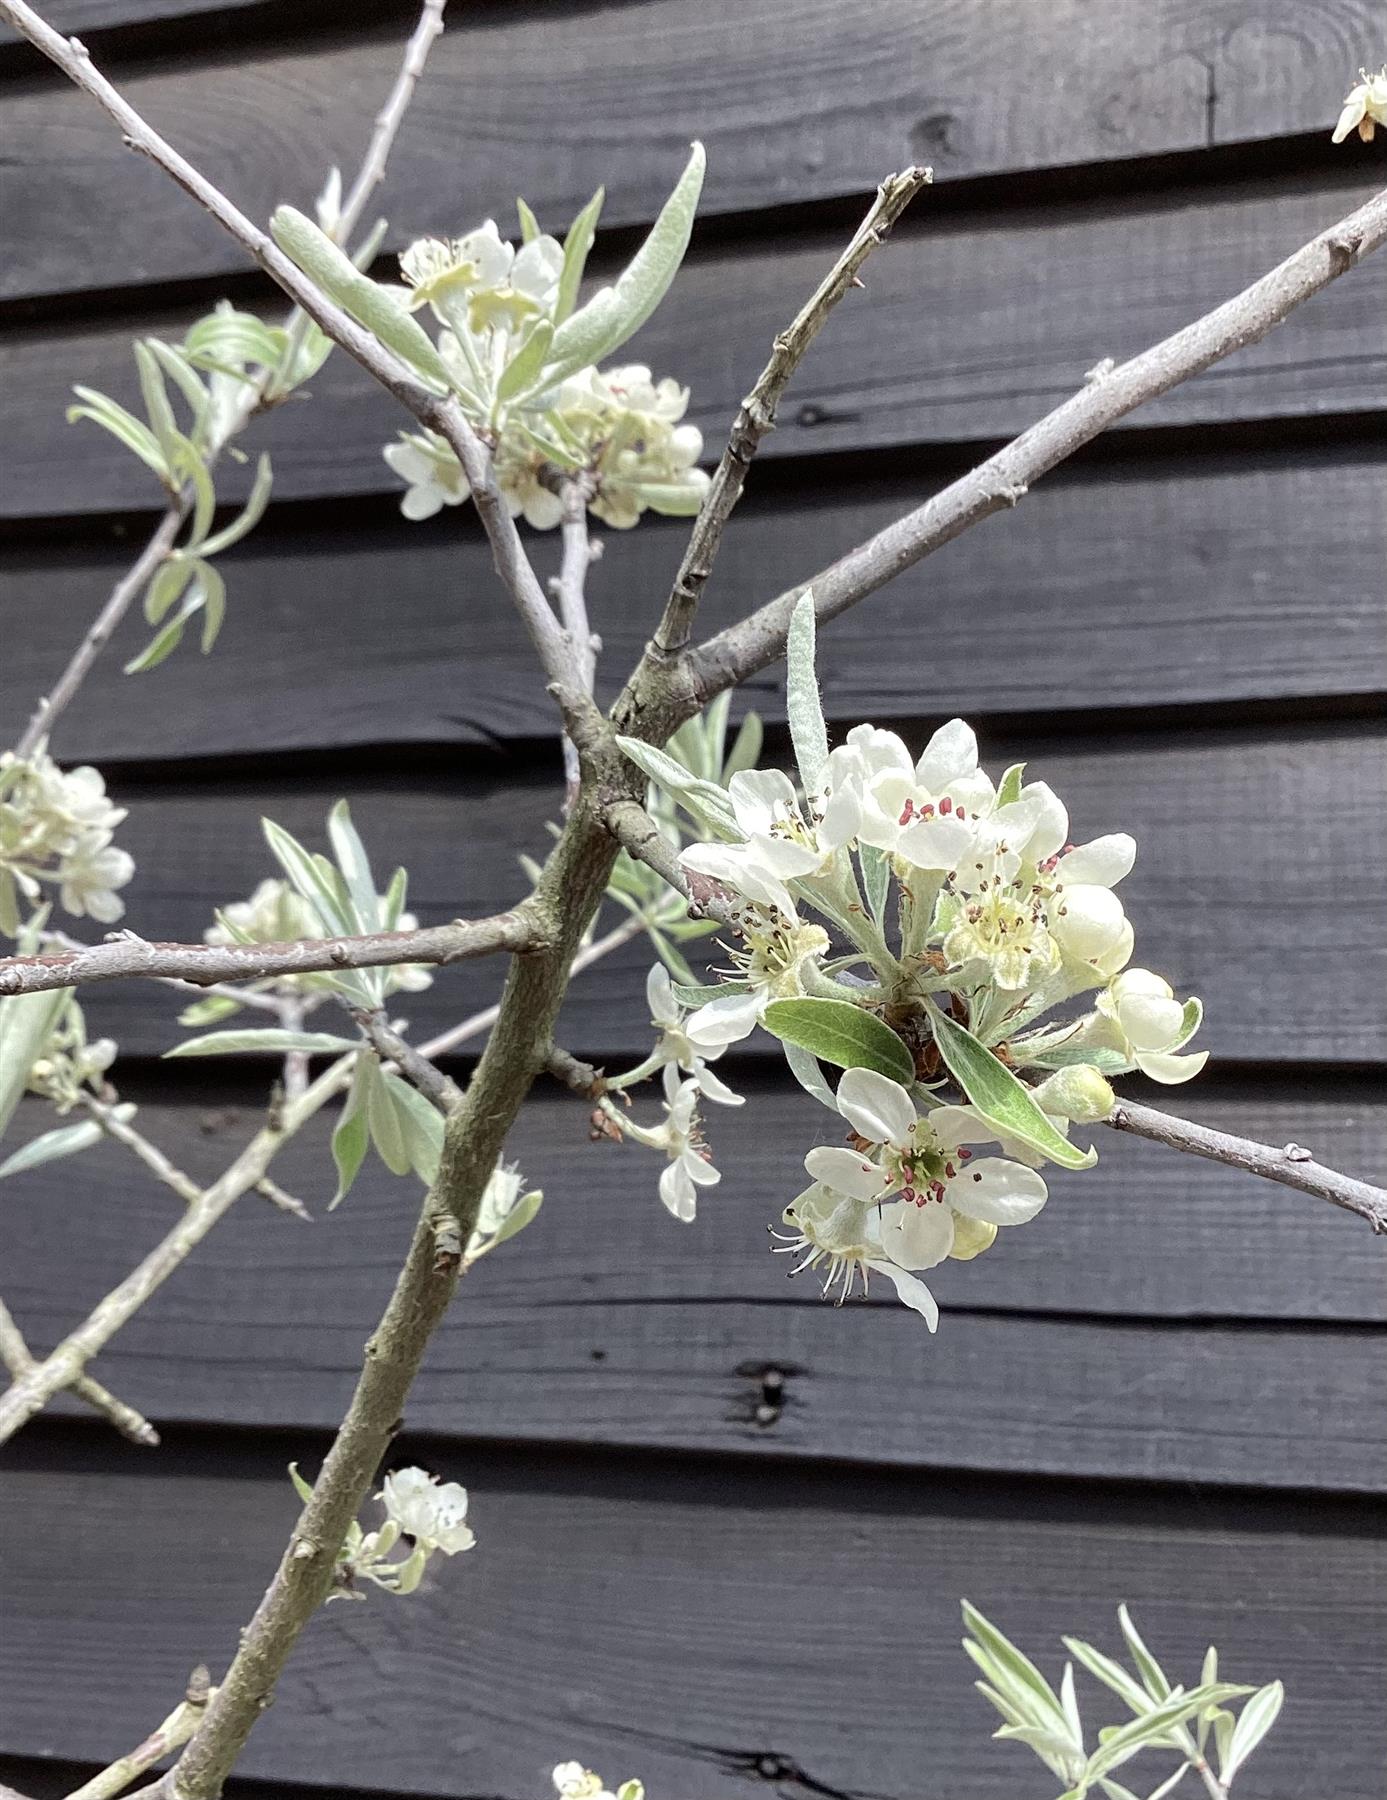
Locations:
(654, 1334)
(695, 1589)
(1239, 834)
(810, 100)
(1239, 580)
(970, 328)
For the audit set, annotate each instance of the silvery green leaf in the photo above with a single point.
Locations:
(1115, 1790)
(351, 1136)
(306, 876)
(616, 313)
(156, 404)
(26, 1022)
(708, 803)
(103, 411)
(519, 1216)
(1111, 1673)
(1047, 1744)
(213, 590)
(671, 499)
(876, 878)
(806, 1071)
(301, 1487)
(1003, 1705)
(746, 748)
(576, 247)
(714, 722)
(226, 338)
(669, 956)
(249, 516)
(1012, 1671)
(1168, 1786)
(66, 1140)
(421, 1127)
(1151, 1728)
(384, 1118)
(368, 303)
(1107, 1062)
(699, 994)
(271, 1040)
(394, 902)
(1009, 788)
(1254, 1722)
(521, 374)
(328, 205)
(9, 904)
(808, 733)
(838, 1032)
(1001, 1099)
(190, 384)
(1069, 1702)
(354, 865)
(207, 591)
(1152, 1674)
(1207, 1674)
(1190, 1022)
(210, 1010)
(529, 224)
(166, 587)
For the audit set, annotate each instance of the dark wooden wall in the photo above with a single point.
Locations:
(724, 1530)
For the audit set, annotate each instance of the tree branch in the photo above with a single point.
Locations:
(578, 555)
(1004, 479)
(20, 1360)
(1292, 1166)
(756, 415)
(175, 1731)
(391, 116)
(518, 931)
(416, 1068)
(638, 834)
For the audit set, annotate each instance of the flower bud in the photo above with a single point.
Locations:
(1079, 1093)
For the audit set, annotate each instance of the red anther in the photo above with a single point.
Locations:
(950, 1170)
(961, 813)
(906, 811)
(965, 1155)
(946, 806)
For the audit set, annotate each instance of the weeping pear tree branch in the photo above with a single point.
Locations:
(1004, 479)
(756, 415)
(1292, 1165)
(165, 533)
(19, 1359)
(570, 889)
(579, 552)
(175, 1731)
(128, 956)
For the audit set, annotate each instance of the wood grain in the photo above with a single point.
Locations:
(1240, 579)
(1241, 835)
(716, 1655)
(972, 326)
(811, 99)
(1146, 1286)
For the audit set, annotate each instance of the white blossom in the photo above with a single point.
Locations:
(276, 913)
(573, 1782)
(57, 827)
(682, 1043)
(690, 1167)
(1150, 1025)
(1365, 107)
(434, 1516)
(924, 810)
(437, 269)
(779, 844)
(433, 473)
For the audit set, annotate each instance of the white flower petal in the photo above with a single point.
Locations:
(950, 753)
(726, 1020)
(845, 1171)
(677, 1192)
(1050, 821)
(955, 1125)
(998, 1191)
(1150, 1022)
(1102, 862)
(659, 996)
(909, 1291)
(1171, 1070)
(782, 858)
(699, 1170)
(917, 1237)
(935, 843)
(1088, 921)
(714, 1088)
(759, 796)
(877, 1108)
(421, 502)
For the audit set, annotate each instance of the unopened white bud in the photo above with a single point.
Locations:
(1079, 1093)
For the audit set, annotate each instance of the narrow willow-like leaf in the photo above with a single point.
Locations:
(213, 604)
(271, 1041)
(210, 1010)
(1111, 1673)
(1153, 1727)
(838, 1032)
(229, 336)
(1002, 1100)
(421, 1127)
(576, 247)
(700, 993)
(394, 902)
(367, 302)
(669, 956)
(1152, 1674)
(1254, 1722)
(156, 404)
(529, 224)
(746, 747)
(1011, 1669)
(671, 499)
(250, 514)
(806, 1071)
(876, 878)
(104, 411)
(1009, 788)
(190, 384)
(808, 733)
(167, 587)
(518, 1217)
(354, 864)
(308, 879)
(618, 312)
(26, 1020)
(66, 1140)
(522, 373)
(352, 1136)
(384, 1119)
(706, 801)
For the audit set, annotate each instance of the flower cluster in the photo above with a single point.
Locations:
(953, 915)
(618, 429)
(71, 1064)
(507, 1207)
(1365, 107)
(573, 1782)
(417, 1507)
(57, 828)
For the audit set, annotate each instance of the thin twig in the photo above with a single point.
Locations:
(756, 415)
(175, 1731)
(128, 956)
(572, 1072)
(390, 117)
(1292, 1166)
(120, 1131)
(1003, 480)
(125, 591)
(19, 1359)
(575, 492)
(416, 1068)
(638, 834)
